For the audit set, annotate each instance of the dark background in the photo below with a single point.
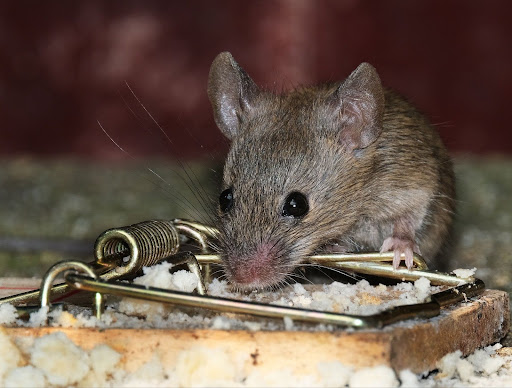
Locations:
(63, 66)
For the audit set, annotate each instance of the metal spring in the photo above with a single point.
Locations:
(144, 244)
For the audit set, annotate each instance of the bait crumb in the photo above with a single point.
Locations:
(8, 314)
(61, 361)
(25, 376)
(54, 360)
(381, 376)
(361, 298)
(464, 273)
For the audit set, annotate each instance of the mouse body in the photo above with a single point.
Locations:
(344, 167)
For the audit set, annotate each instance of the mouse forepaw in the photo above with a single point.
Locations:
(400, 246)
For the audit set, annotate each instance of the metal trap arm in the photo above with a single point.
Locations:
(399, 313)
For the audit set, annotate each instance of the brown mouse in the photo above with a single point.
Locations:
(348, 167)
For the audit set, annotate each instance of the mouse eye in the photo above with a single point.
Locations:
(296, 205)
(226, 200)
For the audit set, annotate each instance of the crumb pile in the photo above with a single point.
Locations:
(55, 361)
(358, 299)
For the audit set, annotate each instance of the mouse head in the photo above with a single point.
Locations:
(294, 170)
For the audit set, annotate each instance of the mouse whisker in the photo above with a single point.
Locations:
(182, 201)
(300, 276)
(197, 190)
(189, 176)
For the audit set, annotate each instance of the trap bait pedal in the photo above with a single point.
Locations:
(416, 345)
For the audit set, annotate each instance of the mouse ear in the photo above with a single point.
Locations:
(359, 104)
(232, 93)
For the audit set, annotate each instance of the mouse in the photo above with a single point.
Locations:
(348, 166)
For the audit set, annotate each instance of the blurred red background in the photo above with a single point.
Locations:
(63, 66)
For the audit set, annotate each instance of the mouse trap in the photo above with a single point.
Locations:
(461, 314)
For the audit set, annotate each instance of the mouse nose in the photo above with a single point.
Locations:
(256, 269)
(252, 270)
(246, 274)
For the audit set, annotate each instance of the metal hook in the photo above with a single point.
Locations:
(62, 266)
(193, 266)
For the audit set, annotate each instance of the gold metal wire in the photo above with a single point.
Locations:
(139, 245)
(63, 266)
(421, 310)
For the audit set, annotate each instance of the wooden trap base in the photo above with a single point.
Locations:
(417, 347)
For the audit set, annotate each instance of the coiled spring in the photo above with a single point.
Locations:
(120, 253)
(136, 246)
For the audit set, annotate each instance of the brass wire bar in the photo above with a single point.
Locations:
(332, 259)
(336, 258)
(386, 270)
(57, 290)
(422, 310)
(209, 232)
(213, 303)
(370, 264)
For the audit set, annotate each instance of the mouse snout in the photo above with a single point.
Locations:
(256, 269)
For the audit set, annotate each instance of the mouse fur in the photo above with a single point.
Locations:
(375, 173)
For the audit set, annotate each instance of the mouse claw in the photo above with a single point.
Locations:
(400, 246)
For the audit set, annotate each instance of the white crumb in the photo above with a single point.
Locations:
(334, 373)
(464, 273)
(54, 360)
(483, 362)
(288, 323)
(299, 289)
(184, 281)
(64, 318)
(409, 379)
(219, 288)
(39, 317)
(465, 369)
(205, 367)
(26, 377)
(62, 362)
(482, 368)
(8, 314)
(253, 326)
(221, 323)
(279, 378)
(423, 288)
(158, 276)
(448, 364)
(103, 359)
(149, 374)
(377, 376)
(10, 356)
